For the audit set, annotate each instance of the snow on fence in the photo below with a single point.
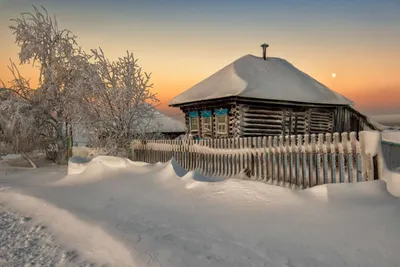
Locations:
(298, 160)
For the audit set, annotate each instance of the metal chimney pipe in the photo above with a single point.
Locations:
(264, 47)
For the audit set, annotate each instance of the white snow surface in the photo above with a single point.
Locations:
(23, 243)
(391, 136)
(125, 213)
(254, 77)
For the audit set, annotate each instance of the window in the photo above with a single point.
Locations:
(194, 125)
(222, 124)
(193, 121)
(206, 123)
(222, 121)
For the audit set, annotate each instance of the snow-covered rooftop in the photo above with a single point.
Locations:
(254, 77)
(166, 124)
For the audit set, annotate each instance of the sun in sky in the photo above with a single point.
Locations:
(333, 75)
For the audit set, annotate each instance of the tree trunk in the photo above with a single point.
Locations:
(60, 157)
(29, 159)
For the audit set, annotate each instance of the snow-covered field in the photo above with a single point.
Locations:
(122, 213)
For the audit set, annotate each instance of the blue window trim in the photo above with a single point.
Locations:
(206, 113)
(221, 112)
(193, 114)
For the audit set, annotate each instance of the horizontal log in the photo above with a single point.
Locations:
(261, 134)
(293, 120)
(264, 131)
(264, 111)
(321, 117)
(320, 122)
(262, 117)
(320, 126)
(321, 129)
(262, 126)
(262, 121)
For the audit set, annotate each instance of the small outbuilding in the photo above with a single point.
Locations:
(265, 96)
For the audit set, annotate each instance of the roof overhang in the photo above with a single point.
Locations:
(230, 99)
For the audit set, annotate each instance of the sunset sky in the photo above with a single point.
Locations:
(183, 42)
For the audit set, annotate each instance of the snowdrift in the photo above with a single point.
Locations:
(161, 215)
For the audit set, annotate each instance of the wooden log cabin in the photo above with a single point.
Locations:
(265, 96)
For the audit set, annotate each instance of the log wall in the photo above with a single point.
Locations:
(248, 119)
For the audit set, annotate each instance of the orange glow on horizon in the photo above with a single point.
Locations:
(365, 95)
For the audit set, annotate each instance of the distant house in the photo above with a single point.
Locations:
(169, 127)
(262, 96)
(160, 123)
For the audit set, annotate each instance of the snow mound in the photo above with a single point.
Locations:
(171, 168)
(391, 136)
(392, 180)
(349, 192)
(77, 165)
(113, 162)
(10, 156)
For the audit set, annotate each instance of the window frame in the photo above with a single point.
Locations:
(222, 114)
(193, 117)
(204, 123)
(191, 120)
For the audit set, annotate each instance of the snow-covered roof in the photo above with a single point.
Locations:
(166, 124)
(254, 77)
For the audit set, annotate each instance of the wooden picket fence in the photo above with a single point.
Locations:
(298, 160)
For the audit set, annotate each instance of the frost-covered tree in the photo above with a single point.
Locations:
(19, 130)
(60, 61)
(19, 122)
(117, 103)
(110, 100)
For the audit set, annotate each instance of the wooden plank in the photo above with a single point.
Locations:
(290, 121)
(252, 126)
(284, 121)
(264, 158)
(260, 157)
(313, 178)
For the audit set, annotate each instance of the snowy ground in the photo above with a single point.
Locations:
(23, 243)
(122, 213)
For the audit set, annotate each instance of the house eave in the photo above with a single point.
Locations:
(255, 100)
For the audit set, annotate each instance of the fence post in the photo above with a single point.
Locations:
(335, 147)
(342, 151)
(223, 157)
(263, 158)
(229, 156)
(298, 147)
(313, 179)
(270, 153)
(207, 158)
(234, 147)
(307, 178)
(285, 153)
(300, 156)
(347, 152)
(256, 158)
(275, 175)
(293, 166)
(328, 150)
